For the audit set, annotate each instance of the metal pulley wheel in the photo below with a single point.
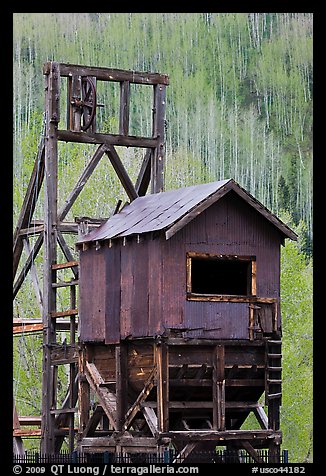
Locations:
(87, 103)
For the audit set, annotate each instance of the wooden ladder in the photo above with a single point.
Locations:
(273, 379)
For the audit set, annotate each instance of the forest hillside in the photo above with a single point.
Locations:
(239, 105)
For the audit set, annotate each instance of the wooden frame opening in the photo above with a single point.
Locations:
(220, 277)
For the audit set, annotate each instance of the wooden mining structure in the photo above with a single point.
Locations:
(178, 315)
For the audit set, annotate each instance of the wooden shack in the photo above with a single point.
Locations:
(180, 321)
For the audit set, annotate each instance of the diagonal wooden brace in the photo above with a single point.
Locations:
(106, 397)
(136, 407)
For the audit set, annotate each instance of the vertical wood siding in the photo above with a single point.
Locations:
(92, 299)
(138, 286)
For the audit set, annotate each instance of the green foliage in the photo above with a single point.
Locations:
(296, 295)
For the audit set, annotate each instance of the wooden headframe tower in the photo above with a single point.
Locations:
(58, 423)
(179, 295)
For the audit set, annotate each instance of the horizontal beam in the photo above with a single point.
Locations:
(180, 404)
(30, 420)
(64, 354)
(64, 284)
(190, 382)
(125, 441)
(109, 139)
(226, 435)
(38, 433)
(109, 74)
(27, 328)
(212, 342)
(225, 298)
(60, 411)
(36, 325)
(245, 382)
(27, 433)
(69, 264)
(68, 312)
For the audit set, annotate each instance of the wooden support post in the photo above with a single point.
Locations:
(75, 112)
(274, 453)
(157, 169)
(124, 108)
(162, 363)
(218, 388)
(83, 394)
(121, 356)
(50, 252)
(72, 372)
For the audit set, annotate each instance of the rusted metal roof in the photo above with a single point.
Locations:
(172, 210)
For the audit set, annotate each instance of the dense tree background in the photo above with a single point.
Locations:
(239, 105)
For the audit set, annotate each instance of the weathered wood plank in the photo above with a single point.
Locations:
(30, 420)
(27, 328)
(121, 360)
(90, 167)
(64, 354)
(245, 382)
(218, 388)
(52, 103)
(67, 253)
(93, 421)
(180, 404)
(151, 419)
(68, 312)
(109, 74)
(144, 175)
(28, 263)
(162, 363)
(124, 441)
(83, 393)
(253, 453)
(34, 276)
(261, 416)
(64, 418)
(107, 398)
(109, 139)
(227, 435)
(69, 264)
(63, 411)
(31, 231)
(64, 284)
(226, 298)
(149, 384)
(124, 107)
(182, 455)
(26, 433)
(121, 172)
(29, 203)
(190, 382)
(157, 158)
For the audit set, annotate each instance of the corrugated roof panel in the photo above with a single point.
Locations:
(161, 211)
(153, 212)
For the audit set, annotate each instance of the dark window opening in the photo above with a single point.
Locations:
(214, 275)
